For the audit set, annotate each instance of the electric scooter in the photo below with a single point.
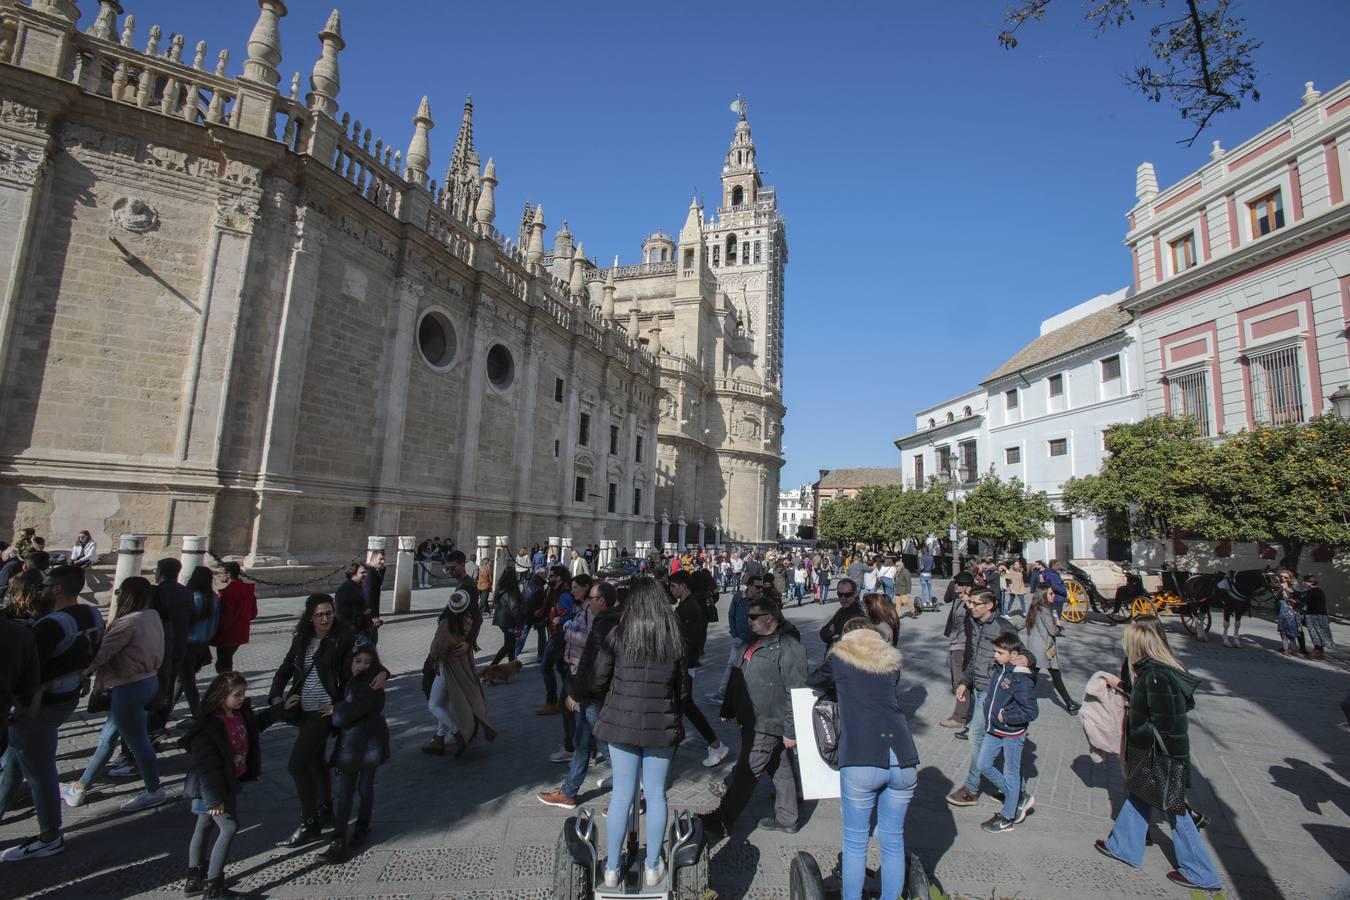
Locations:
(578, 869)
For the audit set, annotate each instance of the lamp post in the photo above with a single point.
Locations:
(1340, 402)
(955, 531)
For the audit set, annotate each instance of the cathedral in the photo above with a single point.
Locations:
(231, 311)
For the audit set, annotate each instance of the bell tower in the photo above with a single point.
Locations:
(740, 175)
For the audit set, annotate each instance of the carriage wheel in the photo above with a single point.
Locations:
(1194, 617)
(1075, 609)
(1142, 606)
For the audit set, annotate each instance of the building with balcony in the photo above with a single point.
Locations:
(796, 509)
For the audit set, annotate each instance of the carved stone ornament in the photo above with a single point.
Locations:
(670, 408)
(13, 112)
(134, 215)
(237, 212)
(584, 461)
(21, 165)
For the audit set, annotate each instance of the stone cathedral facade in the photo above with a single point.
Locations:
(229, 310)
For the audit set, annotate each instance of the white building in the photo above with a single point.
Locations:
(795, 508)
(1039, 417)
(1049, 408)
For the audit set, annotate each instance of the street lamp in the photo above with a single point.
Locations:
(1340, 402)
(954, 533)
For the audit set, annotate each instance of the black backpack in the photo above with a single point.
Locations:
(825, 724)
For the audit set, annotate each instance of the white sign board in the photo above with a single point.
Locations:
(819, 781)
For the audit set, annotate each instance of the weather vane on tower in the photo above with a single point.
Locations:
(739, 107)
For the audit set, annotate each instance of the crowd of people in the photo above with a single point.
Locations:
(617, 650)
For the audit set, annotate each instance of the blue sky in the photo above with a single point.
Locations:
(943, 195)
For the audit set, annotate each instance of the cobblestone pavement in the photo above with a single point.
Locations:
(1271, 770)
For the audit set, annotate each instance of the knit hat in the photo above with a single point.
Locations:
(459, 601)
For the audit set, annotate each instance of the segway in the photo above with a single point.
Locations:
(806, 883)
(578, 869)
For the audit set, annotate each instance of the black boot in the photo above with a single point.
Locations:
(325, 815)
(216, 888)
(307, 832)
(336, 852)
(196, 881)
(359, 834)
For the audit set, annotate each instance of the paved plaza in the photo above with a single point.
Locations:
(1272, 770)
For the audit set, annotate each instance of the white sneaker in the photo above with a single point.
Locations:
(73, 795)
(602, 782)
(146, 800)
(36, 848)
(715, 755)
(652, 877)
(123, 770)
(560, 756)
(611, 877)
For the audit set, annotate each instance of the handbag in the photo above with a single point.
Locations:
(825, 726)
(100, 699)
(1155, 777)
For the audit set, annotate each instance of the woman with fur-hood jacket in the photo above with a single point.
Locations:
(878, 762)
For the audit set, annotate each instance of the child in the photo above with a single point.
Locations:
(1009, 705)
(1290, 619)
(362, 747)
(222, 748)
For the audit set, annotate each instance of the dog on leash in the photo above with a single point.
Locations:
(500, 673)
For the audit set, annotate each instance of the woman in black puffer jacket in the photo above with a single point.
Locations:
(641, 674)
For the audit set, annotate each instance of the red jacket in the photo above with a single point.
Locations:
(238, 607)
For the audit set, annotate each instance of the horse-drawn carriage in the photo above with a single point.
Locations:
(1122, 595)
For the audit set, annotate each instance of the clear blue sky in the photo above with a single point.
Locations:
(942, 195)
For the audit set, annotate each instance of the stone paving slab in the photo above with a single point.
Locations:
(1271, 761)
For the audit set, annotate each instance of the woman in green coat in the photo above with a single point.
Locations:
(1163, 693)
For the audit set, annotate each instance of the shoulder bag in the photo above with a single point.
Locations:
(1155, 777)
(825, 725)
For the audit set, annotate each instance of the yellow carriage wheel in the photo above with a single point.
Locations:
(1075, 609)
(1142, 606)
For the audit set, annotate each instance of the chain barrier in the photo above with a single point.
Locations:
(281, 584)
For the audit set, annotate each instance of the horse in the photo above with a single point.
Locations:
(1235, 591)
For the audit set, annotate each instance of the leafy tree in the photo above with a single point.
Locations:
(916, 514)
(1152, 481)
(1202, 58)
(1288, 484)
(837, 521)
(1006, 511)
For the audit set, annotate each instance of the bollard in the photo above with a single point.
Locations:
(193, 555)
(483, 551)
(375, 545)
(555, 548)
(403, 573)
(130, 554)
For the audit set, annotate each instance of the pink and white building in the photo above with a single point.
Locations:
(1242, 281)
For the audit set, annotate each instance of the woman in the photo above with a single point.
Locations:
(205, 620)
(640, 671)
(127, 665)
(24, 600)
(310, 679)
(426, 552)
(881, 613)
(1015, 586)
(507, 614)
(455, 695)
(1162, 694)
(878, 762)
(1044, 646)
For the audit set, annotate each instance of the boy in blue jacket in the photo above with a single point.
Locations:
(1009, 707)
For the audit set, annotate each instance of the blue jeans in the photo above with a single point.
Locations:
(926, 588)
(795, 591)
(1126, 842)
(584, 741)
(32, 751)
(976, 740)
(653, 764)
(889, 791)
(824, 589)
(548, 667)
(887, 586)
(1009, 781)
(1021, 602)
(127, 719)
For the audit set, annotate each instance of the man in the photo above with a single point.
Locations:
(65, 641)
(985, 625)
(855, 571)
(561, 607)
(603, 606)
(754, 566)
(350, 600)
(694, 629)
(926, 578)
(456, 569)
(903, 585)
(23, 543)
(578, 565)
(760, 699)
(738, 623)
(370, 589)
(957, 632)
(850, 607)
(1059, 594)
(177, 609)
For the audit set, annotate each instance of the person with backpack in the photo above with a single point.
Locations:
(238, 607)
(877, 759)
(205, 620)
(67, 639)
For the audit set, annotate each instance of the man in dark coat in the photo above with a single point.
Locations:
(349, 599)
(850, 607)
(176, 609)
(689, 610)
(371, 588)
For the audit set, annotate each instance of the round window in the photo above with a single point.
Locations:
(501, 369)
(436, 339)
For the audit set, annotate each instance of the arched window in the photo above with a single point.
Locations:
(731, 249)
(965, 412)
(932, 423)
(737, 195)
(951, 417)
(663, 254)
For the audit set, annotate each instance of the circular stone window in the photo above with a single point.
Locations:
(436, 339)
(501, 368)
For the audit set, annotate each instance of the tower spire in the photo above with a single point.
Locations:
(740, 173)
(461, 182)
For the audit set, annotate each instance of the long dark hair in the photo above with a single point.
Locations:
(880, 609)
(202, 581)
(375, 664)
(508, 580)
(1040, 601)
(221, 687)
(134, 594)
(305, 627)
(648, 630)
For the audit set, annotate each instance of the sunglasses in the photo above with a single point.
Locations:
(844, 595)
(758, 615)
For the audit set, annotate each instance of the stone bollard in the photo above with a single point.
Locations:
(130, 555)
(193, 555)
(483, 551)
(403, 573)
(376, 544)
(555, 548)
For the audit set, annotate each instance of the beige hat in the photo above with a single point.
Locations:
(459, 601)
